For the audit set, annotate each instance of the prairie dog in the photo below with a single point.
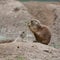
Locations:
(41, 32)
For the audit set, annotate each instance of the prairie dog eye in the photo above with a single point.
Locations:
(34, 22)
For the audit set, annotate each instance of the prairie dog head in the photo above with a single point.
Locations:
(34, 25)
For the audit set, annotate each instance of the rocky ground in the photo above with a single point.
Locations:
(14, 17)
(28, 51)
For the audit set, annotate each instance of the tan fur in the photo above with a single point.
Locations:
(41, 32)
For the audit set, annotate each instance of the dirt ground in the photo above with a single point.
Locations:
(28, 51)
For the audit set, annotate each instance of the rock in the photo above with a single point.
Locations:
(25, 51)
(13, 20)
(4, 39)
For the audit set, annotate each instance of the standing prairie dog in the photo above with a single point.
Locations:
(41, 32)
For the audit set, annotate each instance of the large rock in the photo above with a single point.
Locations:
(13, 20)
(28, 51)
